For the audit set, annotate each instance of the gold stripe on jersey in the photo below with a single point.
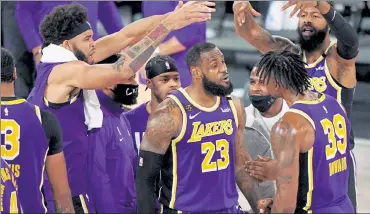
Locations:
(233, 109)
(13, 102)
(38, 113)
(202, 108)
(310, 181)
(42, 181)
(312, 102)
(174, 151)
(83, 203)
(333, 83)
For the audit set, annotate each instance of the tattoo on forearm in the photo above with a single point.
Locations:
(158, 32)
(141, 59)
(63, 209)
(119, 63)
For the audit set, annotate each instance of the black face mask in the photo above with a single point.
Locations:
(126, 94)
(262, 103)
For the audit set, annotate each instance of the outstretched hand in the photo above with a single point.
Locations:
(263, 169)
(191, 12)
(299, 6)
(242, 9)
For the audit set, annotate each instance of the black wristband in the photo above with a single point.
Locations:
(330, 16)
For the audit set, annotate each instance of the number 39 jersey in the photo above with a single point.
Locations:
(198, 173)
(24, 146)
(323, 172)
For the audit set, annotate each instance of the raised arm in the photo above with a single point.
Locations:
(164, 124)
(247, 28)
(246, 183)
(285, 139)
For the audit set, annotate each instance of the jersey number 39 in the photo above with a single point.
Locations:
(10, 129)
(209, 149)
(336, 130)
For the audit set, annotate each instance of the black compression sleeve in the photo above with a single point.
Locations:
(53, 132)
(149, 167)
(348, 43)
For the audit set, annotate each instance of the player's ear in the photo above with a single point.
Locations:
(149, 84)
(15, 74)
(196, 72)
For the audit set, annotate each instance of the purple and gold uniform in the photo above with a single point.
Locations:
(323, 170)
(10, 202)
(200, 172)
(24, 146)
(75, 140)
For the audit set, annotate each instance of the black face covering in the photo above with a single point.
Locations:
(126, 94)
(262, 103)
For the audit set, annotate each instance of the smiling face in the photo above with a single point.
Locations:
(312, 29)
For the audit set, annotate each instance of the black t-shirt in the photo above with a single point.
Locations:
(51, 128)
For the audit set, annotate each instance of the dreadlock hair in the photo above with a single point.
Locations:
(287, 68)
(7, 66)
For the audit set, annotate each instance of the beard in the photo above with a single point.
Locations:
(216, 89)
(313, 42)
(80, 55)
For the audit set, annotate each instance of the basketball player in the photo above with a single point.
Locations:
(32, 143)
(112, 157)
(162, 78)
(310, 141)
(66, 69)
(10, 202)
(194, 137)
(331, 65)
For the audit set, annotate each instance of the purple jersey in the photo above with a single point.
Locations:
(323, 174)
(111, 162)
(198, 174)
(10, 202)
(321, 79)
(72, 121)
(24, 146)
(138, 118)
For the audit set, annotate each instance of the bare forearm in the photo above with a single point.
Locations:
(63, 204)
(171, 46)
(142, 51)
(248, 186)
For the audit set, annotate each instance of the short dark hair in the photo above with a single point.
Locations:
(7, 66)
(61, 21)
(194, 53)
(287, 68)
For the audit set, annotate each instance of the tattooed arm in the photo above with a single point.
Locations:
(286, 137)
(164, 124)
(245, 182)
(262, 40)
(127, 36)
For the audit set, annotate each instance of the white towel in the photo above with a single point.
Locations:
(92, 110)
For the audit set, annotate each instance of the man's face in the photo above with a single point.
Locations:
(163, 84)
(215, 78)
(83, 46)
(312, 29)
(256, 86)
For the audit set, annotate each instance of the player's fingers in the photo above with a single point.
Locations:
(208, 3)
(243, 7)
(296, 8)
(289, 4)
(241, 18)
(256, 176)
(193, 20)
(254, 12)
(261, 158)
(203, 9)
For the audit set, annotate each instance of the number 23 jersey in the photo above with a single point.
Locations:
(198, 173)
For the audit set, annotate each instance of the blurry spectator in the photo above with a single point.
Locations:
(29, 15)
(13, 41)
(277, 20)
(177, 42)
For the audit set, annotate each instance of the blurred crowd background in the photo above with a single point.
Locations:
(19, 34)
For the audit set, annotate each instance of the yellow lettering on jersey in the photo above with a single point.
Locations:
(5, 175)
(338, 166)
(210, 129)
(13, 202)
(16, 169)
(318, 83)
